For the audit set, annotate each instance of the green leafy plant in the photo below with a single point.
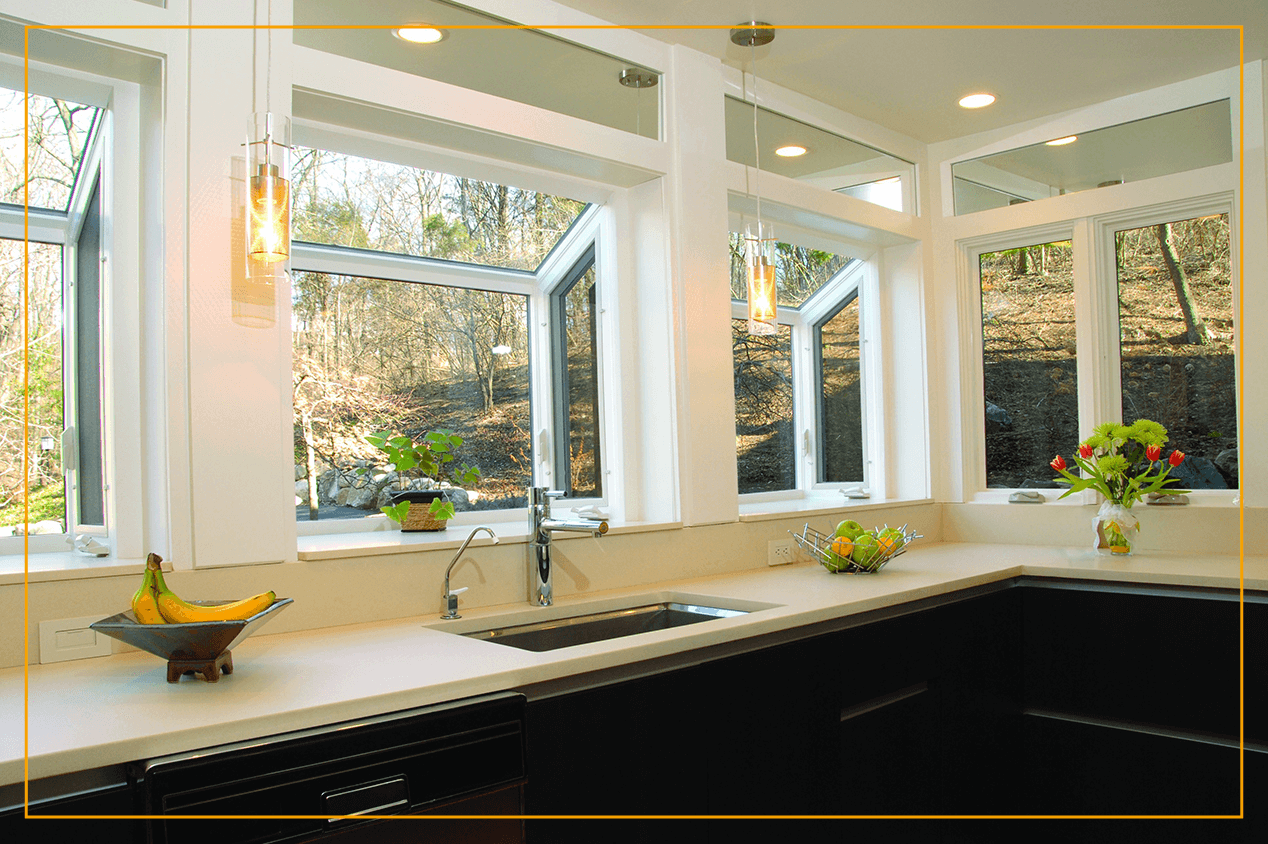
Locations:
(429, 457)
(1122, 462)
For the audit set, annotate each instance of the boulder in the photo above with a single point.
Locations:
(997, 419)
(1226, 462)
(362, 499)
(301, 471)
(458, 497)
(301, 489)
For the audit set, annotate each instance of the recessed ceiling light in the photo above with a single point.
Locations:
(1060, 142)
(977, 100)
(791, 150)
(417, 33)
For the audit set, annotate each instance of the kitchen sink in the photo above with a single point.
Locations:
(601, 626)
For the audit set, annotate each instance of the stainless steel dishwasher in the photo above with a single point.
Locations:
(459, 758)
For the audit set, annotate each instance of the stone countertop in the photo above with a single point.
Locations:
(105, 711)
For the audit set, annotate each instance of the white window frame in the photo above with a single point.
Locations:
(1099, 365)
(858, 276)
(116, 163)
(536, 285)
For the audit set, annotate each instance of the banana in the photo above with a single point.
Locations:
(178, 611)
(170, 608)
(145, 601)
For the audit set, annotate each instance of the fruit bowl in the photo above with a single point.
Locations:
(199, 647)
(820, 546)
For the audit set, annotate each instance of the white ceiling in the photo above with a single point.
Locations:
(910, 79)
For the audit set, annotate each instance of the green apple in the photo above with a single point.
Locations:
(849, 528)
(864, 549)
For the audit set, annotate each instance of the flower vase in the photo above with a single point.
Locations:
(1116, 529)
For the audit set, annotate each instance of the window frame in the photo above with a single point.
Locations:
(562, 386)
(582, 237)
(1096, 321)
(104, 163)
(850, 282)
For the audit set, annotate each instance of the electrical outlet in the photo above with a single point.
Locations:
(71, 638)
(779, 552)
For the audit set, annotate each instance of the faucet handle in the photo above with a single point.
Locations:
(451, 603)
(554, 493)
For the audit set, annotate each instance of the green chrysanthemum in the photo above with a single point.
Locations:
(1112, 464)
(1105, 429)
(1148, 432)
(1123, 433)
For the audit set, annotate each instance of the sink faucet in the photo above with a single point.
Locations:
(540, 526)
(449, 598)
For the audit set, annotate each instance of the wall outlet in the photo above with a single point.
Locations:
(780, 552)
(71, 638)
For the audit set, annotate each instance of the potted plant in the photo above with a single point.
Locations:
(422, 509)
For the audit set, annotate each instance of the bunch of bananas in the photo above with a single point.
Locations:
(154, 603)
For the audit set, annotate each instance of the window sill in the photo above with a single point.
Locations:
(330, 546)
(67, 565)
(761, 511)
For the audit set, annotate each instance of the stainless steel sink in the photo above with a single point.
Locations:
(601, 626)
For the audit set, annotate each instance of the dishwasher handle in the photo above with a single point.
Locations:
(383, 797)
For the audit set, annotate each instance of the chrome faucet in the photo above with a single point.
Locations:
(449, 598)
(540, 527)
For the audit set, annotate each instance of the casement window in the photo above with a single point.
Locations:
(60, 287)
(426, 301)
(799, 393)
(1142, 327)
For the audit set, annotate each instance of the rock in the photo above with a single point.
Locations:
(362, 499)
(1226, 460)
(458, 497)
(301, 489)
(997, 419)
(342, 497)
(301, 471)
(1197, 473)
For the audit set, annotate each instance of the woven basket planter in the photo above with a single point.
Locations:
(418, 518)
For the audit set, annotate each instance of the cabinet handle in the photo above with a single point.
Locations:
(883, 701)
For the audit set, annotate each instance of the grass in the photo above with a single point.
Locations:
(47, 503)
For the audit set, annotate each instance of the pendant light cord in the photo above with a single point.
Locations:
(255, 16)
(757, 149)
(268, 74)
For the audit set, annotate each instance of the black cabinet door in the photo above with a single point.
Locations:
(115, 800)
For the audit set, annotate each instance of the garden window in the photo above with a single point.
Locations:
(62, 288)
(413, 302)
(798, 392)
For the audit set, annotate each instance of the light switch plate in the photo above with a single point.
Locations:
(71, 638)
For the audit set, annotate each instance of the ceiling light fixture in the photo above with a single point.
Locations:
(977, 100)
(791, 150)
(1060, 142)
(420, 33)
(759, 242)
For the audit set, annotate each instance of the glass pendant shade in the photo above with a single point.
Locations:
(269, 193)
(759, 262)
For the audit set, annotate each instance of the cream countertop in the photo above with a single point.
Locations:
(111, 710)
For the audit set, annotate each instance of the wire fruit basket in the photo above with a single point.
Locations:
(841, 554)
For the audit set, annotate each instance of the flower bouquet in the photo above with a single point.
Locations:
(1124, 464)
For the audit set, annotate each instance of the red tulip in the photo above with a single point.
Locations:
(1058, 463)
(1176, 458)
(1153, 453)
(1085, 451)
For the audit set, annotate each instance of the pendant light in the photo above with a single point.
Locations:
(268, 203)
(759, 239)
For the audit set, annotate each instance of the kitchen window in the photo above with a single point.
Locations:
(1141, 325)
(62, 297)
(799, 397)
(416, 302)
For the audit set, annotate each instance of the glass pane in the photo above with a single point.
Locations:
(829, 161)
(59, 133)
(1187, 139)
(799, 271)
(841, 411)
(344, 200)
(1028, 363)
(372, 355)
(1175, 316)
(42, 440)
(763, 408)
(580, 382)
(90, 479)
(523, 65)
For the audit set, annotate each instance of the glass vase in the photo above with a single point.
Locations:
(1116, 528)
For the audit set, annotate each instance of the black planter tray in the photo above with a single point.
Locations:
(200, 647)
